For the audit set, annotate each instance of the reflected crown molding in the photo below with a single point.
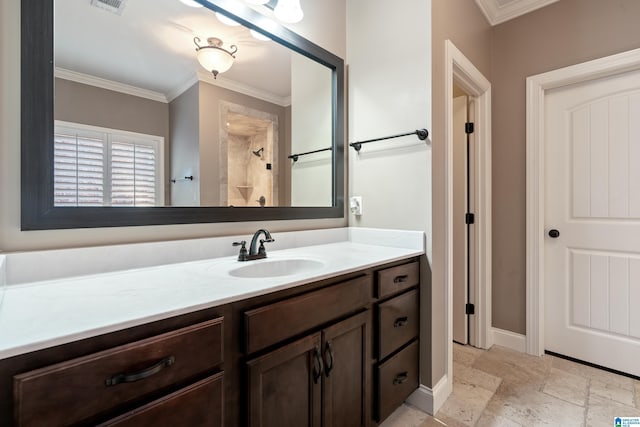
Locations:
(87, 79)
(235, 86)
(206, 77)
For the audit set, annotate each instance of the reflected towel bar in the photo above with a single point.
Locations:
(294, 157)
(186, 178)
(421, 133)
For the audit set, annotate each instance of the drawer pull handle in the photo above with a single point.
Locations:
(318, 367)
(401, 378)
(400, 322)
(401, 279)
(328, 364)
(141, 375)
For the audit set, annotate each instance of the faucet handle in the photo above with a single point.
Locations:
(261, 249)
(243, 255)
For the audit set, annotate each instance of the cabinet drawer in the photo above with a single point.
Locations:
(398, 321)
(276, 322)
(397, 379)
(74, 390)
(197, 405)
(395, 279)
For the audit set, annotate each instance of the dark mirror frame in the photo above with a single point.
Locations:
(37, 127)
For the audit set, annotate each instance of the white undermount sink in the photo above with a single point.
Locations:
(275, 268)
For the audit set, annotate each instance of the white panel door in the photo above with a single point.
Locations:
(592, 198)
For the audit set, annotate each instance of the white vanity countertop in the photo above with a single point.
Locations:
(46, 313)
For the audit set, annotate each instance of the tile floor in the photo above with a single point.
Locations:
(501, 387)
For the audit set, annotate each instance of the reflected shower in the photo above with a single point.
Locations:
(258, 152)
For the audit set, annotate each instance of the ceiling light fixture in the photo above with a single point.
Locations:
(191, 3)
(288, 11)
(259, 36)
(226, 20)
(214, 57)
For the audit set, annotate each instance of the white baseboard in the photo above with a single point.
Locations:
(509, 339)
(430, 400)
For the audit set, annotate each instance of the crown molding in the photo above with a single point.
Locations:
(86, 79)
(497, 14)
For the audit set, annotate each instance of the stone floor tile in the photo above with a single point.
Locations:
(466, 354)
(637, 390)
(533, 408)
(489, 419)
(592, 373)
(602, 411)
(612, 392)
(405, 416)
(470, 376)
(466, 403)
(517, 370)
(566, 386)
(441, 420)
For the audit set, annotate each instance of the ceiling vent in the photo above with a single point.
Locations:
(113, 6)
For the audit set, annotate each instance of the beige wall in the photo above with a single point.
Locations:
(565, 33)
(464, 24)
(80, 103)
(12, 239)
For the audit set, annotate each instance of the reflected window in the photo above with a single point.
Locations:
(105, 167)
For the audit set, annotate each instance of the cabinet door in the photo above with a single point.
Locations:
(347, 358)
(285, 386)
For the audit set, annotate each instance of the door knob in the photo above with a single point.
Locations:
(554, 233)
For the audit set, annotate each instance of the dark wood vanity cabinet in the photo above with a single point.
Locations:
(396, 336)
(342, 351)
(323, 378)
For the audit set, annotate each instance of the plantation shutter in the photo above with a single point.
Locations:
(78, 170)
(100, 167)
(133, 174)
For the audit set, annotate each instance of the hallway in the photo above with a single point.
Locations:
(501, 387)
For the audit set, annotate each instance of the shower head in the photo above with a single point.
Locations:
(258, 152)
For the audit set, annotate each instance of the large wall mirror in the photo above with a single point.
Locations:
(122, 125)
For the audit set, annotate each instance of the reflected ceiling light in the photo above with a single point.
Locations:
(226, 20)
(257, 2)
(259, 36)
(191, 3)
(213, 57)
(288, 11)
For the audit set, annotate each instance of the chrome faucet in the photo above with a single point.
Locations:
(254, 253)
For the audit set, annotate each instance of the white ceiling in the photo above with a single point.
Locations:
(499, 11)
(150, 47)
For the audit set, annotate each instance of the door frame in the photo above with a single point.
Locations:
(537, 86)
(461, 70)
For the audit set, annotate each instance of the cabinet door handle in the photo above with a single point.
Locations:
(328, 351)
(401, 378)
(401, 279)
(318, 367)
(400, 322)
(140, 375)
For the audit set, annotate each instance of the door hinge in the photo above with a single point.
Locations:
(469, 218)
(468, 127)
(470, 309)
